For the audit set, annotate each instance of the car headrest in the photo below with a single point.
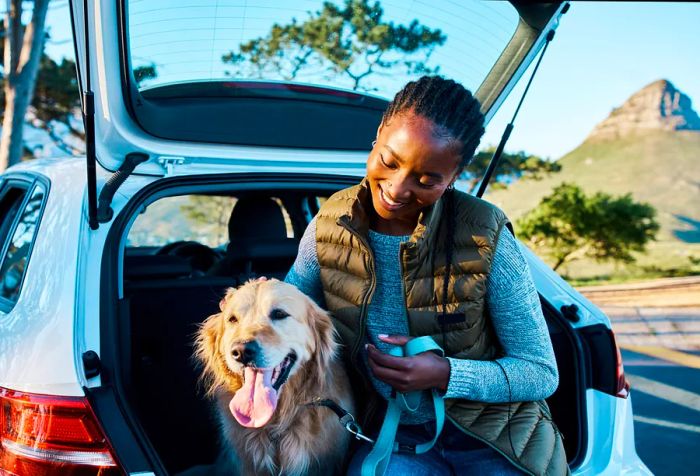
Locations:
(256, 218)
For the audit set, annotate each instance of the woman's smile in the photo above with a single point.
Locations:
(388, 203)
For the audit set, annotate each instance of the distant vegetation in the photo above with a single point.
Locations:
(569, 225)
(511, 167)
(659, 168)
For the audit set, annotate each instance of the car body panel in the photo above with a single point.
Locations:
(560, 293)
(610, 453)
(37, 336)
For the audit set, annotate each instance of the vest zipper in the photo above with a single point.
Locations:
(363, 311)
(491, 445)
(402, 248)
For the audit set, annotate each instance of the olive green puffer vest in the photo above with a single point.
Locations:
(348, 280)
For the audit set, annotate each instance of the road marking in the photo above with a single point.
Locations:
(682, 358)
(667, 392)
(668, 424)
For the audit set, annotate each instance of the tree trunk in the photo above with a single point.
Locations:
(11, 143)
(22, 53)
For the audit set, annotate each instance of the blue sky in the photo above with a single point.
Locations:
(602, 53)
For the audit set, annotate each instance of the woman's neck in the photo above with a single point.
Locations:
(392, 227)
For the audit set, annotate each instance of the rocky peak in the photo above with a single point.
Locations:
(657, 106)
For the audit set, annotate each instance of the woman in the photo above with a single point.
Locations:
(403, 255)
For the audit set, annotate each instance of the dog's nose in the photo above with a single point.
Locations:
(245, 352)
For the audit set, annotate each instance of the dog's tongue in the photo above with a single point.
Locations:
(255, 402)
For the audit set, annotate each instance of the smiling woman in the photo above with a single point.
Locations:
(403, 255)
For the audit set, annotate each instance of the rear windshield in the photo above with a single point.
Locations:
(365, 46)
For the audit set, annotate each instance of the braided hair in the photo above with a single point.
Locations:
(456, 114)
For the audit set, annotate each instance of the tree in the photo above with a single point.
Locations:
(351, 41)
(143, 73)
(511, 166)
(22, 51)
(210, 214)
(570, 225)
(57, 101)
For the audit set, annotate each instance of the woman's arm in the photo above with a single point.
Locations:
(517, 318)
(305, 273)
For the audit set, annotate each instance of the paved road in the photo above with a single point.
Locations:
(666, 399)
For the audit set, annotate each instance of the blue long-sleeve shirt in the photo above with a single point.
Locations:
(514, 308)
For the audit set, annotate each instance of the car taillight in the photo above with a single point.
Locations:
(622, 385)
(51, 435)
(606, 371)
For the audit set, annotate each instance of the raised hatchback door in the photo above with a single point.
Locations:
(214, 88)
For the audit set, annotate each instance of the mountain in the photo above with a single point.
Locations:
(649, 147)
(658, 106)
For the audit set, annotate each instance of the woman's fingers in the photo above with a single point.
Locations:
(385, 373)
(425, 370)
(394, 339)
(387, 360)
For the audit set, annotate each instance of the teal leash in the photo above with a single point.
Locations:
(377, 460)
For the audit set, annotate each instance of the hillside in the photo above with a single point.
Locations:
(649, 147)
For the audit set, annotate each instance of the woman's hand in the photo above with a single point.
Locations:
(404, 374)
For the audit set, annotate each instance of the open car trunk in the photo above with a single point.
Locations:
(168, 290)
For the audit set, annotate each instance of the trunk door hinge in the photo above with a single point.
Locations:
(169, 163)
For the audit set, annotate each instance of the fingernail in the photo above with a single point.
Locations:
(382, 336)
(366, 346)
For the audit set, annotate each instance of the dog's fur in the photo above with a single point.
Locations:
(298, 439)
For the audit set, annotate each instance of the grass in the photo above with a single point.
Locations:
(662, 260)
(660, 168)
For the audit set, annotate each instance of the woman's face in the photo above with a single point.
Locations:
(409, 169)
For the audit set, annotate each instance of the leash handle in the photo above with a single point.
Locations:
(377, 460)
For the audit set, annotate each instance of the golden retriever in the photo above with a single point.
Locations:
(268, 352)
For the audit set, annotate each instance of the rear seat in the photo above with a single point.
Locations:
(258, 243)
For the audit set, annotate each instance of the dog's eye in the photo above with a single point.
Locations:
(278, 314)
(232, 318)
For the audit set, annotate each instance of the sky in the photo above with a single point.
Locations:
(602, 53)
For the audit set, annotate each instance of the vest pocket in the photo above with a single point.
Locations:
(451, 318)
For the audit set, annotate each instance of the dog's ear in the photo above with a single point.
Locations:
(215, 373)
(324, 334)
(224, 300)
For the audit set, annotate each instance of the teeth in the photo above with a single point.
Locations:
(279, 369)
(390, 201)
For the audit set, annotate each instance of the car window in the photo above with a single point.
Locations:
(377, 49)
(17, 250)
(11, 199)
(201, 218)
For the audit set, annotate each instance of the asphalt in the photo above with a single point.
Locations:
(666, 404)
(675, 328)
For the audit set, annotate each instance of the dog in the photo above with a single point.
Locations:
(268, 352)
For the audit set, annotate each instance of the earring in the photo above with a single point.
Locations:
(374, 142)
(451, 186)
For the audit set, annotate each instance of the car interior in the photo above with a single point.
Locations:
(170, 289)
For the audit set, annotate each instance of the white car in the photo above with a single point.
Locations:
(99, 299)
